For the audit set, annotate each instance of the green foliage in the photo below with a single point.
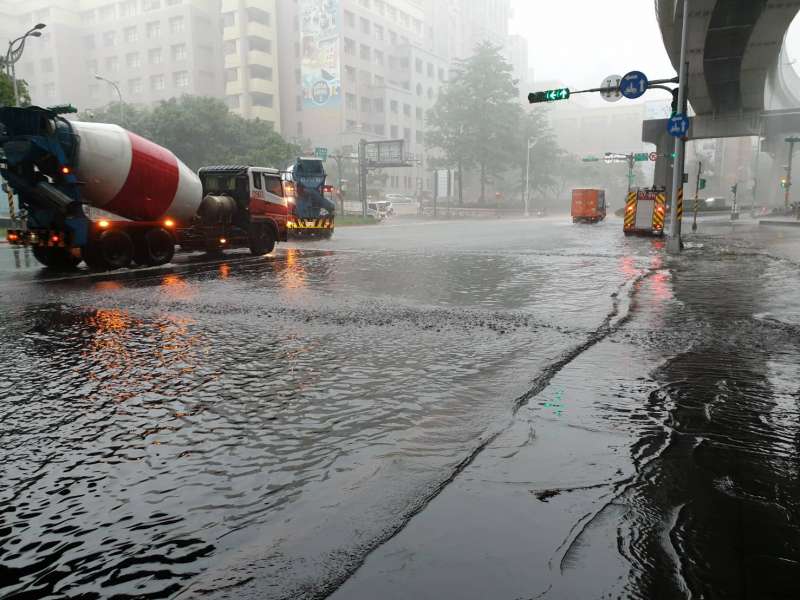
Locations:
(7, 91)
(202, 131)
(478, 121)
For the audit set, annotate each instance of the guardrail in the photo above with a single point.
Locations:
(470, 212)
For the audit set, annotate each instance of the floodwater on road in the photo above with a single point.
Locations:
(259, 427)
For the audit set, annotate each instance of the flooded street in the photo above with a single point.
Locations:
(507, 409)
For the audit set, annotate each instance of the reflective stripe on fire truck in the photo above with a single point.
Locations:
(630, 210)
(659, 210)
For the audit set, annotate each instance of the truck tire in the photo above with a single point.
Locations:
(114, 250)
(156, 247)
(55, 258)
(262, 239)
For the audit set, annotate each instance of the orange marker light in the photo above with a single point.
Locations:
(103, 224)
(13, 237)
(66, 170)
(169, 223)
(54, 239)
(223, 241)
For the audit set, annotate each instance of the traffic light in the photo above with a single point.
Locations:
(784, 182)
(702, 185)
(549, 95)
(734, 187)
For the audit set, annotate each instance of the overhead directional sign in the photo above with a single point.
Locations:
(591, 159)
(678, 125)
(321, 153)
(549, 95)
(634, 85)
(610, 87)
(641, 156)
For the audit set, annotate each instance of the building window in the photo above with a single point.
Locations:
(154, 56)
(260, 72)
(151, 4)
(350, 73)
(181, 79)
(420, 136)
(232, 74)
(407, 134)
(351, 125)
(378, 32)
(91, 66)
(349, 19)
(379, 80)
(107, 12)
(256, 15)
(259, 99)
(297, 75)
(112, 64)
(430, 93)
(132, 60)
(419, 89)
(127, 9)
(394, 131)
(260, 44)
(378, 105)
(109, 38)
(418, 65)
(299, 128)
(298, 103)
(378, 55)
(131, 34)
(380, 7)
(229, 47)
(430, 70)
(350, 101)
(179, 52)
(233, 101)
(392, 37)
(157, 82)
(393, 106)
(135, 86)
(441, 74)
(365, 52)
(365, 77)
(153, 29)
(50, 91)
(349, 46)
(419, 114)
(47, 65)
(365, 26)
(88, 42)
(177, 25)
(407, 110)
(229, 20)
(366, 105)
(380, 129)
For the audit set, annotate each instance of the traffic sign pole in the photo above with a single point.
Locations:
(697, 195)
(674, 243)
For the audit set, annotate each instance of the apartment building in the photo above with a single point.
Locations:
(360, 69)
(250, 46)
(153, 50)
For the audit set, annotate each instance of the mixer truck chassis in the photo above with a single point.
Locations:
(150, 201)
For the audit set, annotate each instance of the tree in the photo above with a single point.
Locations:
(545, 154)
(7, 91)
(202, 131)
(476, 114)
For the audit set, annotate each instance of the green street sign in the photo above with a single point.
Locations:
(641, 156)
(590, 159)
(549, 95)
(702, 184)
(321, 153)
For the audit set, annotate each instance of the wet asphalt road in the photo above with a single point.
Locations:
(504, 409)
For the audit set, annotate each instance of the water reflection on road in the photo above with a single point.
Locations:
(266, 422)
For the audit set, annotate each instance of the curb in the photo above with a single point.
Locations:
(780, 223)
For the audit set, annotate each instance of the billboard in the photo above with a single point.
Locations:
(320, 69)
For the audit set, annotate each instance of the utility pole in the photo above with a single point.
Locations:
(674, 244)
(115, 85)
(791, 141)
(697, 194)
(338, 158)
(362, 176)
(631, 158)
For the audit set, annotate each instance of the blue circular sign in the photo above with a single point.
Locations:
(633, 85)
(678, 125)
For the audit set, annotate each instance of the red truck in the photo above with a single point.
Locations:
(588, 205)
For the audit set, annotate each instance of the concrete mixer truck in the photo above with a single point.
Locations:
(64, 172)
(310, 212)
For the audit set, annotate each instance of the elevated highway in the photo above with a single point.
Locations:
(740, 80)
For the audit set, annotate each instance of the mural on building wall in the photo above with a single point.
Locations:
(320, 70)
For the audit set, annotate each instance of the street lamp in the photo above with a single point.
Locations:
(531, 144)
(14, 53)
(119, 94)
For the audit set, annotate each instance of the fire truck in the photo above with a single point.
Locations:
(645, 211)
(149, 202)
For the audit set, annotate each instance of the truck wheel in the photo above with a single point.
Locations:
(262, 240)
(55, 258)
(114, 250)
(155, 247)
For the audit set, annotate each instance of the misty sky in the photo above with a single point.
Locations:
(579, 42)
